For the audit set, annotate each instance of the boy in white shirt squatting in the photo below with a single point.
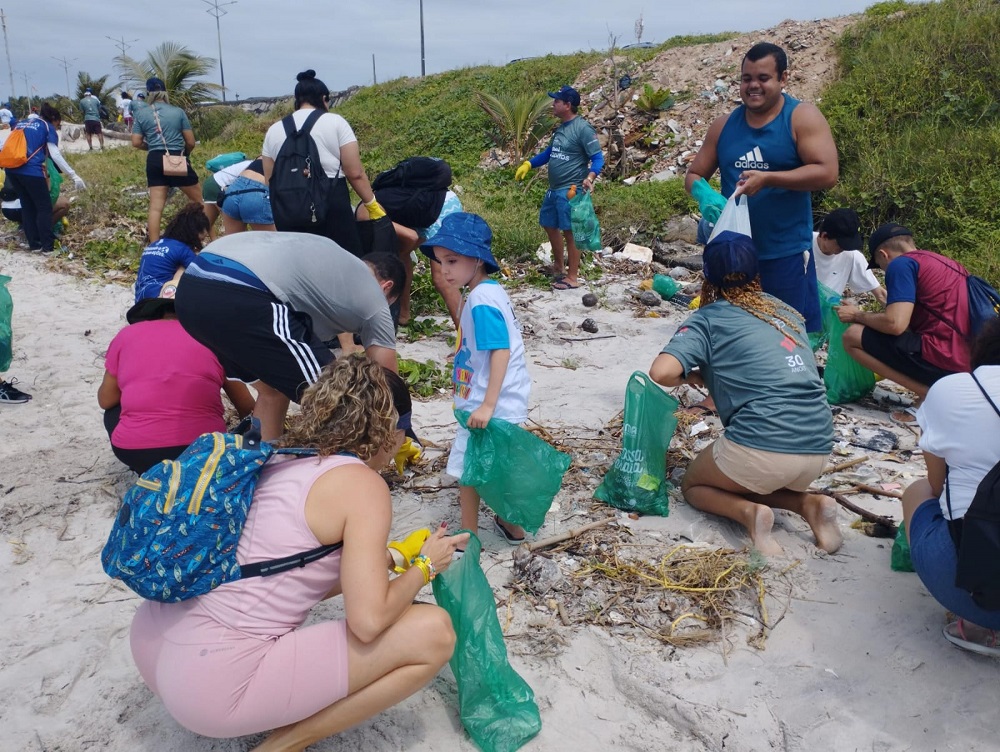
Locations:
(839, 263)
(490, 375)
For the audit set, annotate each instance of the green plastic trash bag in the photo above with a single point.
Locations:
(515, 472)
(586, 228)
(846, 380)
(637, 481)
(6, 314)
(901, 551)
(496, 705)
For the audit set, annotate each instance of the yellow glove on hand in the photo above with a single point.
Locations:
(404, 550)
(375, 210)
(523, 170)
(408, 454)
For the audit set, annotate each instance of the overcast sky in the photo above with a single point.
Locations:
(266, 42)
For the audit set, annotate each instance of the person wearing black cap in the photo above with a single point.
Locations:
(160, 128)
(160, 389)
(575, 159)
(923, 333)
(751, 351)
(839, 263)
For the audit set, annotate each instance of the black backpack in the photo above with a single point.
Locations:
(300, 189)
(103, 112)
(413, 191)
(416, 173)
(977, 537)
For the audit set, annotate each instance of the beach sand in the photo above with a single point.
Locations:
(856, 663)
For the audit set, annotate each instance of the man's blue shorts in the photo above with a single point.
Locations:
(935, 560)
(555, 211)
(792, 280)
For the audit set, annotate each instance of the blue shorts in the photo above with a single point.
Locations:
(555, 211)
(791, 280)
(935, 560)
(249, 202)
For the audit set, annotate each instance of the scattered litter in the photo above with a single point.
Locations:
(875, 439)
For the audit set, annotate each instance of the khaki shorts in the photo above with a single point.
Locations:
(764, 472)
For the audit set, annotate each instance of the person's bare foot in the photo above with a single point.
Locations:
(761, 523)
(821, 514)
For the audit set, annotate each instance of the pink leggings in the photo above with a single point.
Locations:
(222, 683)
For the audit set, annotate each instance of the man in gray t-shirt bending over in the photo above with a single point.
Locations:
(265, 302)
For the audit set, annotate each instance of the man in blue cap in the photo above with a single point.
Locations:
(575, 160)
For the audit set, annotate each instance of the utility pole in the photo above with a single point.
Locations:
(65, 64)
(121, 44)
(6, 46)
(423, 67)
(216, 9)
(374, 77)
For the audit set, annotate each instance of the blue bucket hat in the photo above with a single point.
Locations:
(467, 235)
(730, 260)
(567, 94)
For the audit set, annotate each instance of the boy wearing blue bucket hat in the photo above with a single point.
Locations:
(490, 375)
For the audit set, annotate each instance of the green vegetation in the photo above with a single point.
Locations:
(916, 116)
(425, 379)
(654, 100)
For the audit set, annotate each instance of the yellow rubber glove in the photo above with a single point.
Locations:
(523, 170)
(404, 550)
(375, 210)
(408, 454)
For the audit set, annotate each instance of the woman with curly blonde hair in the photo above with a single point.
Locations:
(751, 351)
(238, 659)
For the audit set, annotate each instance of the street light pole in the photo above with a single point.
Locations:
(423, 67)
(215, 9)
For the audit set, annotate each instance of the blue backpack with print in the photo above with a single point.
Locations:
(176, 534)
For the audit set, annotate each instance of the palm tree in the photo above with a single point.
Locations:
(521, 120)
(178, 67)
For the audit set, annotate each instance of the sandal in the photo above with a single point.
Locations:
(505, 533)
(955, 634)
(561, 283)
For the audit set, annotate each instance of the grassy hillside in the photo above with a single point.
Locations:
(915, 115)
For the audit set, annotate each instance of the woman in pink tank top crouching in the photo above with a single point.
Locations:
(238, 660)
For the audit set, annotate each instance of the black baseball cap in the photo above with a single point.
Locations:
(883, 233)
(567, 94)
(843, 226)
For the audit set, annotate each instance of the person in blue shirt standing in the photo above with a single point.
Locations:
(575, 159)
(30, 179)
(777, 150)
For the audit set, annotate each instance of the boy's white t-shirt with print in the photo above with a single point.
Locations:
(488, 323)
(848, 269)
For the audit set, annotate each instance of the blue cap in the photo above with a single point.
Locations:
(87, 91)
(730, 260)
(467, 235)
(155, 84)
(567, 94)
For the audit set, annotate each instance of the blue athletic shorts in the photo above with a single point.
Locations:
(555, 211)
(790, 279)
(935, 560)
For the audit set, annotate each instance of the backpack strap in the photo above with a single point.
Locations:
(947, 487)
(295, 561)
(288, 122)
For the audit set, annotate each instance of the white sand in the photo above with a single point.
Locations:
(858, 662)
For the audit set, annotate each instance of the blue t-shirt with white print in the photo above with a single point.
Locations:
(158, 265)
(488, 323)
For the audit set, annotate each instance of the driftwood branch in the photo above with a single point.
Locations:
(878, 519)
(845, 465)
(876, 491)
(573, 533)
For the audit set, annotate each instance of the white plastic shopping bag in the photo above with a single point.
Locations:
(735, 217)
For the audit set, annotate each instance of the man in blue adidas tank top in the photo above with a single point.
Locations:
(776, 150)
